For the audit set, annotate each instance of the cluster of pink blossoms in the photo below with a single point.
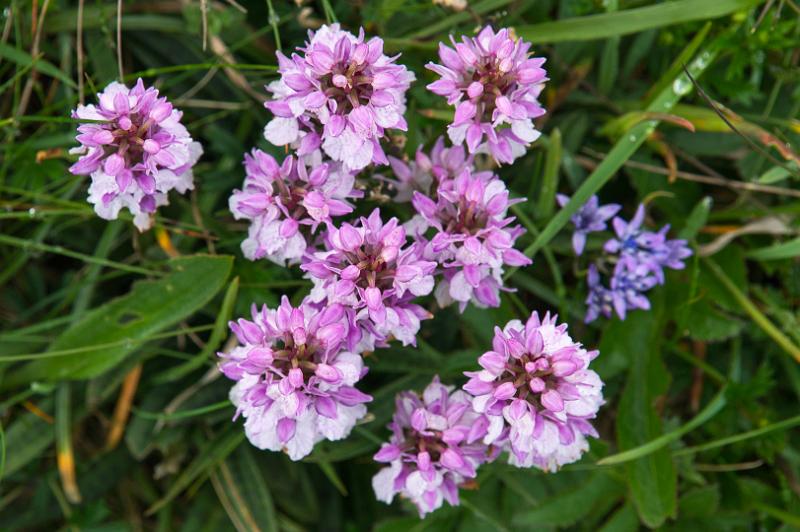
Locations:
(533, 398)
(342, 95)
(135, 149)
(537, 393)
(373, 270)
(434, 448)
(286, 203)
(473, 237)
(294, 379)
(296, 368)
(495, 86)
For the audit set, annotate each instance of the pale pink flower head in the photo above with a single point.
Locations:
(537, 384)
(370, 268)
(473, 238)
(135, 152)
(295, 385)
(425, 172)
(432, 449)
(494, 85)
(286, 203)
(341, 94)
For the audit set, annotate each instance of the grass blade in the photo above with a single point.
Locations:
(631, 20)
(712, 409)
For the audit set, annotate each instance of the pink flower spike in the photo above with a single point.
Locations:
(495, 87)
(342, 90)
(294, 381)
(133, 154)
(538, 399)
(427, 465)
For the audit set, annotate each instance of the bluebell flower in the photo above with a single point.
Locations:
(591, 217)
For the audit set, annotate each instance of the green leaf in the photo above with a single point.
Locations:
(652, 479)
(214, 341)
(215, 451)
(566, 509)
(244, 493)
(477, 8)
(623, 520)
(27, 437)
(784, 250)
(699, 502)
(711, 409)
(707, 324)
(753, 311)
(24, 59)
(150, 307)
(552, 164)
(631, 20)
(697, 219)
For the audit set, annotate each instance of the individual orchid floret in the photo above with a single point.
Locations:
(425, 172)
(135, 149)
(591, 217)
(341, 94)
(537, 392)
(370, 268)
(295, 385)
(494, 85)
(433, 448)
(286, 203)
(473, 239)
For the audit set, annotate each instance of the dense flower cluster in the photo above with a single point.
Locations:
(294, 380)
(286, 203)
(135, 149)
(372, 270)
(494, 86)
(296, 368)
(473, 239)
(537, 393)
(433, 449)
(639, 258)
(342, 95)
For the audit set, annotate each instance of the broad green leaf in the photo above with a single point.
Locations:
(631, 20)
(699, 502)
(784, 250)
(566, 509)
(707, 324)
(214, 341)
(244, 493)
(623, 520)
(652, 479)
(150, 307)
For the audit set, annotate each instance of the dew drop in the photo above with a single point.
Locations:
(681, 86)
